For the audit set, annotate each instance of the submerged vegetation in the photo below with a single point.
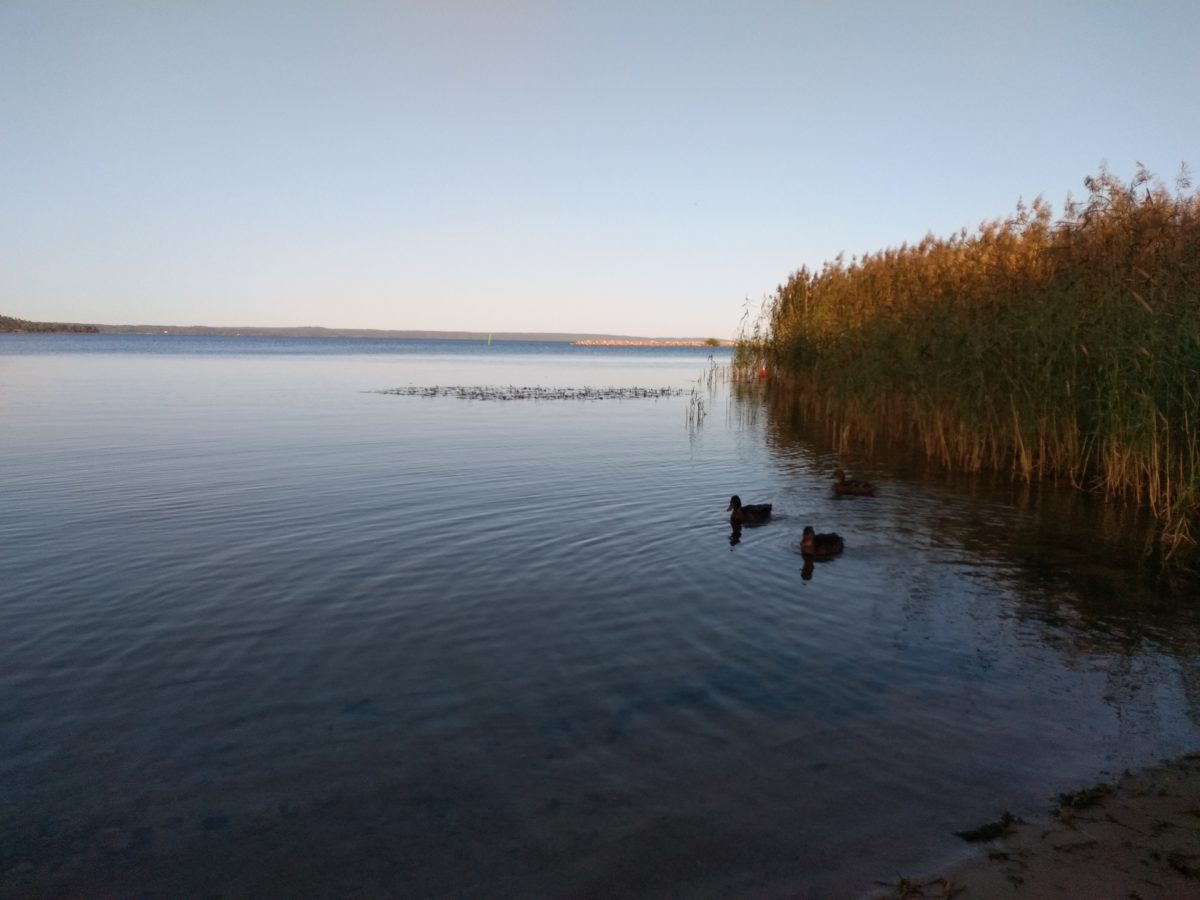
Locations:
(1066, 349)
(509, 392)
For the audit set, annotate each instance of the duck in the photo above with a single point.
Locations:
(751, 514)
(820, 546)
(844, 487)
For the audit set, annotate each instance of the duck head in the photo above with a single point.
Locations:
(808, 542)
(735, 502)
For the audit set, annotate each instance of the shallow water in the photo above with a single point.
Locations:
(265, 630)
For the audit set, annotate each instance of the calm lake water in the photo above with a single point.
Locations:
(265, 631)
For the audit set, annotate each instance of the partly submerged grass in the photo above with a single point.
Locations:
(511, 392)
(1068, 349)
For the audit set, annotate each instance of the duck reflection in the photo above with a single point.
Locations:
(735, 535)
(806, 571)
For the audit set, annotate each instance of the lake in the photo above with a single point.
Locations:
(267, 630)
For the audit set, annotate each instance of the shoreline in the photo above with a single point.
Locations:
(13, 325)
(1137, 837)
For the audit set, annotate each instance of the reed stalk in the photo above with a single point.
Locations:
(1064, 348)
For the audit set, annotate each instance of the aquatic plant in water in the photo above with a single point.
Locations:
(509, 392)
(1066, 349)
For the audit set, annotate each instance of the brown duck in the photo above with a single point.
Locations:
(849, 488)
(752, 514)
(820, 546)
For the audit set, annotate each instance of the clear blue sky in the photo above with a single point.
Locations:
(626, 167)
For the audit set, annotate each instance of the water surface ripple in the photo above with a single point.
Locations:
(267, 631)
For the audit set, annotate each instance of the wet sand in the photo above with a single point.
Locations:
(1138, 837)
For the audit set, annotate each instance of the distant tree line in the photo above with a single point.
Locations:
(9, 324)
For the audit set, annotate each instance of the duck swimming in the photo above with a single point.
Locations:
(820, 546)
(752, 514)
(850, 488)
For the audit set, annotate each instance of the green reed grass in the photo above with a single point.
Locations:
(1066, 349)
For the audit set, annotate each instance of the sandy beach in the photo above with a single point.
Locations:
(1135, 838)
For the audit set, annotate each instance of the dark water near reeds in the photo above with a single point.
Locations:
(265, 632)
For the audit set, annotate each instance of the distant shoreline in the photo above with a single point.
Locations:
(581, 338)
(9, 325)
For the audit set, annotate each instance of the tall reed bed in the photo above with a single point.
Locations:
(1066, 348)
